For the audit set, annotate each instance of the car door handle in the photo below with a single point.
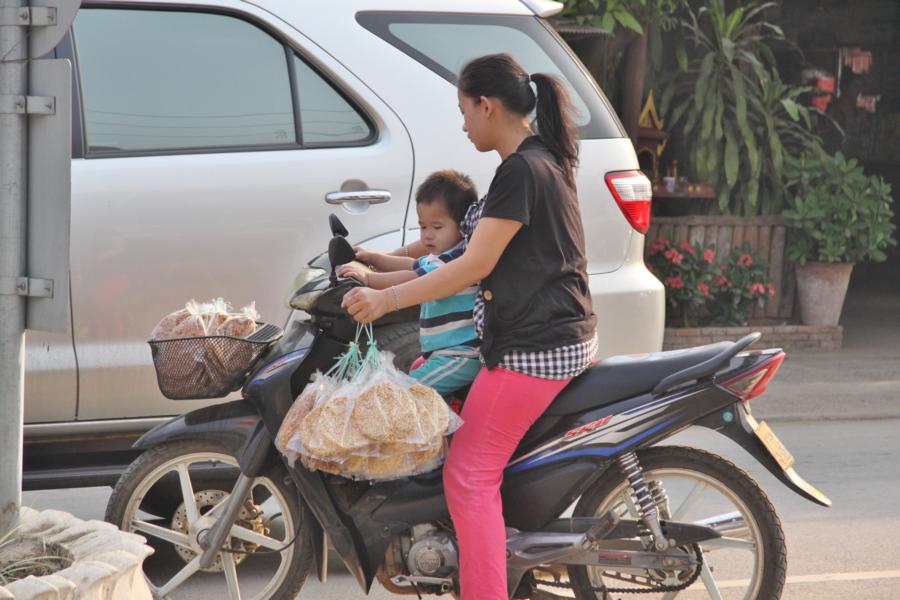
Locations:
(370, 196)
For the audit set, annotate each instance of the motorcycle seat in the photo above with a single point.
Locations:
(620, 377)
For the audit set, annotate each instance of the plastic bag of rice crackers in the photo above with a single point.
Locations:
(365, 419)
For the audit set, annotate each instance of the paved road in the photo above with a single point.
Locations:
(849, 551)
(860, 381)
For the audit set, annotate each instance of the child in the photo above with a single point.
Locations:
(447, 331)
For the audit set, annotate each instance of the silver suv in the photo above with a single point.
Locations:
(212, 138)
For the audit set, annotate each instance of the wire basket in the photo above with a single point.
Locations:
(208, 367)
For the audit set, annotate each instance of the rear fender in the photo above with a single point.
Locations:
(735, 423)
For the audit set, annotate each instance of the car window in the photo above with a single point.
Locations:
(453, 48)
(174, 80)
(325, 116)
(446, 42)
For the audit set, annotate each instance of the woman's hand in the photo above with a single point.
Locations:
(356, 272)
(367, 305)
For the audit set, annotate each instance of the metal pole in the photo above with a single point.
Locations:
(13, 178)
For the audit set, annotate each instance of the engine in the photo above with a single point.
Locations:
(426, 557)
(432, 553)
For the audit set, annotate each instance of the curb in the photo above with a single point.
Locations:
(107, 562)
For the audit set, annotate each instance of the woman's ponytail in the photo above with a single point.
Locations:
(555, 122)
(500, 76)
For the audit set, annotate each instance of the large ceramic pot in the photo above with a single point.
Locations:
(821, 288)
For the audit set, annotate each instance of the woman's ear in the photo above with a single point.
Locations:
(487, 105)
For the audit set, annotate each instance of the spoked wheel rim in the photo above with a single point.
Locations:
(250, 532)
(698, 498)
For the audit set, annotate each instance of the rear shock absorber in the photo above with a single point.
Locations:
(640, 491)
(660, 498)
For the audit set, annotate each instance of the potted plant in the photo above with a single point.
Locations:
(839, 216)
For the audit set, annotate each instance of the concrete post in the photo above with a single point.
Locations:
(13, 178)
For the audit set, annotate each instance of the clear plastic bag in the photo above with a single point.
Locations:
(365, 419)
(205, 319)
(212, 360)
(240, 325)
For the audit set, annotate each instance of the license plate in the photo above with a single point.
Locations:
(781, 454)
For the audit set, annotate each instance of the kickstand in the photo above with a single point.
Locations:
(415, 587)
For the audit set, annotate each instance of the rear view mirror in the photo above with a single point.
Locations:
(340, 252)
(337, 228)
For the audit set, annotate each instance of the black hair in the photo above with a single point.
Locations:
(500, 76)
(452, 189)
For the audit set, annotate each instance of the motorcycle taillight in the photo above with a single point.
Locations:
(752, 383)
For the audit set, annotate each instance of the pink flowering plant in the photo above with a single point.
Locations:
(741, 283)
(702, 291)
(687, 271)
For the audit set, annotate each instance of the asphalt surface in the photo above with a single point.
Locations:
(859, 381)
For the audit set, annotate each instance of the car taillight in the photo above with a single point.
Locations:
(632, 191)
(754, 382)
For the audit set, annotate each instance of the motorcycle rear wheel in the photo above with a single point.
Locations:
(268, 521)
(702, 488)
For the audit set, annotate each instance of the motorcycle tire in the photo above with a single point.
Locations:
(292, 575)
(769, 572)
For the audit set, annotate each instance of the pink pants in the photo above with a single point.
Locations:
(501, 406)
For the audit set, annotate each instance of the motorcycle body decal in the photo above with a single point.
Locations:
(603, 437)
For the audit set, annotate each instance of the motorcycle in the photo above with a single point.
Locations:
(211, 485)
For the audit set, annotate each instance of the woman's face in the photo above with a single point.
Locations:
(475, 114)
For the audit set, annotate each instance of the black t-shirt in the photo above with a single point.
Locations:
(537, 297)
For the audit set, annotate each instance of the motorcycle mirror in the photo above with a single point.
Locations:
(337, 228)
(340, 252)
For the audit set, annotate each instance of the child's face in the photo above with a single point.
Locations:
(439, 231)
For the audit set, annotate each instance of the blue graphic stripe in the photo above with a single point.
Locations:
(599, 451)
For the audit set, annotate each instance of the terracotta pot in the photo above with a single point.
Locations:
(821, 289)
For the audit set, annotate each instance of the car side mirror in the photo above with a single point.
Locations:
(337, 228)
(340, 252)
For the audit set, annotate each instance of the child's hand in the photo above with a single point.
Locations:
(356, 272)
(369, 257)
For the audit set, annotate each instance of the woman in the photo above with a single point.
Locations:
(525, 248)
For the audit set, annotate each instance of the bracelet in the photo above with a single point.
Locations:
(396, 298)
(405, 253)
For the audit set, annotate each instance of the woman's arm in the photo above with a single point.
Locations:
(488, 242)
(382, 281)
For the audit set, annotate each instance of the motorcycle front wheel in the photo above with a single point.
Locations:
(261, 560)
(748, 562)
